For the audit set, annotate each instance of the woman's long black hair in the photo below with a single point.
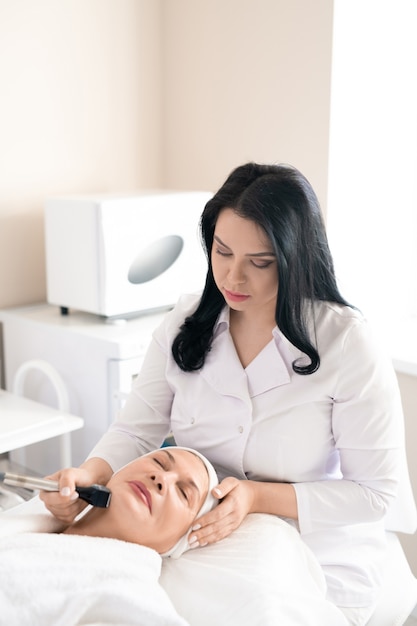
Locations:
(282, 202)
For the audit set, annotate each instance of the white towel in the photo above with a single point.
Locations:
(69, 580)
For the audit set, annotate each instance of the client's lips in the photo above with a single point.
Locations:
(143, 493)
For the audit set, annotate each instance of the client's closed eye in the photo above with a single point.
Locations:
(183, 492)
(158, 462)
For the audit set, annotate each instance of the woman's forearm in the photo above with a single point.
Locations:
(274, 498)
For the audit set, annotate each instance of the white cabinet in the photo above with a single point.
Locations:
(96, 358)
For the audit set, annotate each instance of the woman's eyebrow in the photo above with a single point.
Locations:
(272, 254)
(257, 254)
(189, 481)
(217, 238)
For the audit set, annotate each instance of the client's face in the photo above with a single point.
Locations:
(156, 498)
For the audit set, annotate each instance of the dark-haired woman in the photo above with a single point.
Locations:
(277, 380)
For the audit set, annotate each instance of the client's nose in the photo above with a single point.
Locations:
(163, 479)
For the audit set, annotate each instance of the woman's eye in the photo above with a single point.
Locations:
(262, 265)
(158, 462)
(222, 252)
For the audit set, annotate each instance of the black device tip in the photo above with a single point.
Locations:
(97, 495)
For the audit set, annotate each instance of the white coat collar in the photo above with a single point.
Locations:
(271, 368)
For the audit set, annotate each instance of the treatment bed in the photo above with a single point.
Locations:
(88, 580)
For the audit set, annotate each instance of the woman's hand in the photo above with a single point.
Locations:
(65, 504)
(237, 497)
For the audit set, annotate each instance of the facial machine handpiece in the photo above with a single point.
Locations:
(97, 495)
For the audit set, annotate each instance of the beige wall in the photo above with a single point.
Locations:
(79, 112)
(113, 95)
(245, 80)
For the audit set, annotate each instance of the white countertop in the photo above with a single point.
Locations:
(23, 422)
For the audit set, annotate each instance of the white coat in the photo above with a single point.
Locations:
(337, 435)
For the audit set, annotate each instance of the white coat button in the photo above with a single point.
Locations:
(192, 420)
(241, 429)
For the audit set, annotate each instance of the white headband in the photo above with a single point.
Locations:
(209, 503)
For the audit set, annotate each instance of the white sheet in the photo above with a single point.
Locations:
(262, 575)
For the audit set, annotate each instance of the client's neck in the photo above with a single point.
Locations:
(92, 524)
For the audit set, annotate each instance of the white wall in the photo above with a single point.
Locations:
(372, 202)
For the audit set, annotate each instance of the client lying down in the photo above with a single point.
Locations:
(105, 567)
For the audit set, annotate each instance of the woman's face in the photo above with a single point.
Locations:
(156, 498)
(244, 264)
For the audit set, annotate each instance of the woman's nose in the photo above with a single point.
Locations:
(236, 272)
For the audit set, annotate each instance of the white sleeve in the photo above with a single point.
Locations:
(368, 431)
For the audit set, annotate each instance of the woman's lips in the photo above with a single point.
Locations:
(141, 491)
(235, 297)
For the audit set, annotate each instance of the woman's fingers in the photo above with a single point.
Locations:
(65, 504)
(226, 517)
(63, 508)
